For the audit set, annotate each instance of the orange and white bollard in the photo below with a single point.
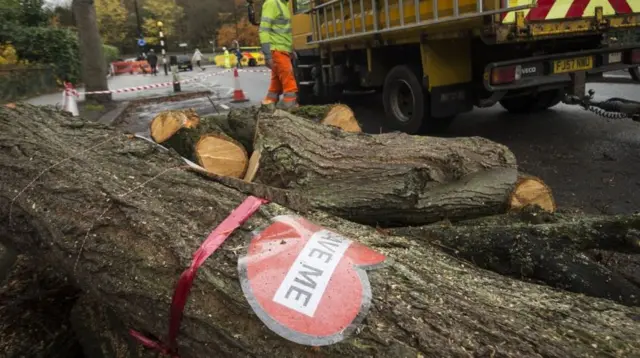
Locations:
(69, 103)
(238, 93)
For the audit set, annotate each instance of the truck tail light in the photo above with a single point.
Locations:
(635, 56)
(502, 75)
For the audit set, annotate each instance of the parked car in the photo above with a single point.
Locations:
(184, 63)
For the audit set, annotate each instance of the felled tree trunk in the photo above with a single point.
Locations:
(546, 248)
(35, 301)
(123, 218)
(387, 179)
(242, 121)
(101, 333)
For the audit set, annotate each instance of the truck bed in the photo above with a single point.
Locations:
(497, 20)
(567, 17)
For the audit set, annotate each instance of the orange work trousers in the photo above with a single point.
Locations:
(282, 80)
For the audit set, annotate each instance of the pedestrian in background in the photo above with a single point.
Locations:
(238, 54)
(152, 60)
(227, 59)
(197, 58)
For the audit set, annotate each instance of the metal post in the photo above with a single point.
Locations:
(362, 17)
(163, 49)
(176, 79)
(353, 17)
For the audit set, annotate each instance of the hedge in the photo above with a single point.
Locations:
(54, 46)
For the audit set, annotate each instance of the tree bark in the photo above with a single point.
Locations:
(389, 179)
(550, 249)
(35, 301)
(94, 71)
(123, 218)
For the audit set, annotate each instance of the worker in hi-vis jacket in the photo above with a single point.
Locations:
(276, 41)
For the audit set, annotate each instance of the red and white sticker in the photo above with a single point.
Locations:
(306, 283)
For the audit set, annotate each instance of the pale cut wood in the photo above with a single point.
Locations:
(167, 123)
(252, 169)
(342, 116)
(221, 155)
(530, 190)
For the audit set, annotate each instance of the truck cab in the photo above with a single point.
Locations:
(435, 59)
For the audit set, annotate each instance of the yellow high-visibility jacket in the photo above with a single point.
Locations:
(275, 27)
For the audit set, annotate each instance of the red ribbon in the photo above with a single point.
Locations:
(237, 217)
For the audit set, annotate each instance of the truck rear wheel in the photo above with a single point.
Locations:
(406, 103)
(635, 73)
(404, 100)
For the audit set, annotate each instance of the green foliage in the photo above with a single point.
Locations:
(96, 107)
(160, 10)
(111, 53)
(112, 16)
(55, 46)
(24, 12)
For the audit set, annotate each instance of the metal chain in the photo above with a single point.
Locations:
(610, 115)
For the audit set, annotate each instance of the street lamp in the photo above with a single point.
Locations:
(162, 46)
(140, 37)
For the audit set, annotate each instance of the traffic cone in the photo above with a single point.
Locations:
(69, 103)
(238, 94)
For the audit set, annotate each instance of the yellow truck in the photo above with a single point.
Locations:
(435, 59)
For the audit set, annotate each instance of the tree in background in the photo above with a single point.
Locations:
(168, 12)
(24, 12)
(247, 34)
(112, 20)
(94, 68)
(201, 20)
(33, 13)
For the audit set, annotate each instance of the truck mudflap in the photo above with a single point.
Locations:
(556, 70)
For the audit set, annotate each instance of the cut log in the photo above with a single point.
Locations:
(242, 121)
(530, 190)
(388, 179)
(222, 155)
(185, 139)
(242, 125)
(167, 123)
(124, 219)
(338, 115)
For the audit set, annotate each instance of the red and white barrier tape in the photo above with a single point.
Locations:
(262, 71)
(72, 91)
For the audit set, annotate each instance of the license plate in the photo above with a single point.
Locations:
(573, 64)
(615, 57)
